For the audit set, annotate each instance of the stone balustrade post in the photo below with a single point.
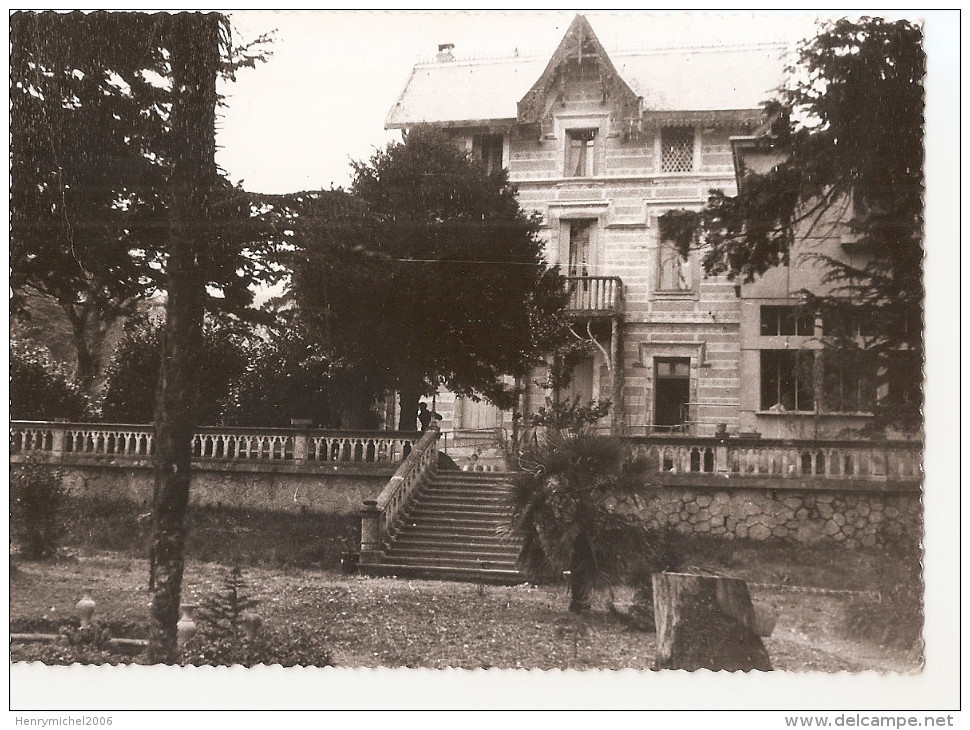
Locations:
(721, 457)
(371, 551)
(300, 441)
(300, 438)
(59, 438)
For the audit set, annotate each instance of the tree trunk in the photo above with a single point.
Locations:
(581, 568)
(408, 419)
(193, 41)
(89, 328)
(706, 622)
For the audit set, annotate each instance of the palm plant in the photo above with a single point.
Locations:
(576, 506)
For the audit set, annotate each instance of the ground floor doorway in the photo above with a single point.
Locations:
(672, 392)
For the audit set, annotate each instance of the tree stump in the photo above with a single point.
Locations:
(707, 622)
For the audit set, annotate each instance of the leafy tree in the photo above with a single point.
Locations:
(570, 415)
(848, 129)
(85, 196)
(91, 157)
(575, 505)
(427, 273)
(39, 387)
(131, 378)
(287, 376)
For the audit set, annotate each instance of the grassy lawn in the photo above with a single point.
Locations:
(366, 622)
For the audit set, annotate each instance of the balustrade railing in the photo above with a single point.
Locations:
(818, 460)
(594, 293)
(62, 439)
(380, 515)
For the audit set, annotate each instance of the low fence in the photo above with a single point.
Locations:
(858, 493)
(851, 491)
(381, 515)
(266, 468)
(818, 463)
(60, 440)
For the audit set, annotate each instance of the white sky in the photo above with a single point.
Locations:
(296, 121)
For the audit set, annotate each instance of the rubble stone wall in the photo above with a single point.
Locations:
(854, 519)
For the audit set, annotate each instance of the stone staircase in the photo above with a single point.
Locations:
(451, 530)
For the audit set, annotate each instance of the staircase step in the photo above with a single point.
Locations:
(445, 495)
(488, 531)
(474, 475)
(451, 526)
(407, 543)
(469, 536)
(453, 557)
(470, 563)
(455, 513)
(485, 512)
(491, 577)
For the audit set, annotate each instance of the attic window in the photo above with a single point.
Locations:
(488, 149)
(580, 144)
(677, 149)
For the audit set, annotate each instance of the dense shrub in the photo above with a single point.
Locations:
(40, 389)
(570, 415)
(37, 514)
(131, 378)
(284, 378)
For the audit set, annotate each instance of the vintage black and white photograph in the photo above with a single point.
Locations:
(548, 340)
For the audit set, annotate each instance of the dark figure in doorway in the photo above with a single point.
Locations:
(425, 416)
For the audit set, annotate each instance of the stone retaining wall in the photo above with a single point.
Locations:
(853, 519)
(279, 489)
(860, 516)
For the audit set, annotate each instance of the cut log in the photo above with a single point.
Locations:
(707, 622)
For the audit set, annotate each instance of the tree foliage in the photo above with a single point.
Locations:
(286, 376)
(426, 273)
(131, 378)
(848, 129)
(37, 509)
(39, 387)
(91, 161)
(575, 504)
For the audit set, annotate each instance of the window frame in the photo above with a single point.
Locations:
(788, 376)
(773, 320)
(588, 151)
(855, 370)
(690, 145)
(489, 141)
(667, 251)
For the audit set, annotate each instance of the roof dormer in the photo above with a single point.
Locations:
(580, 57)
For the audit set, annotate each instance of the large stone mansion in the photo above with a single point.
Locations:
(604, 145)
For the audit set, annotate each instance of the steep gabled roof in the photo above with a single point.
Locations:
(674, 83)
(579, 42)
(462, 92)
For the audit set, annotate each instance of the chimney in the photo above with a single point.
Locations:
(445, 52)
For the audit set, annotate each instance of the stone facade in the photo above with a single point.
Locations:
(604, 144)
(853, 519)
